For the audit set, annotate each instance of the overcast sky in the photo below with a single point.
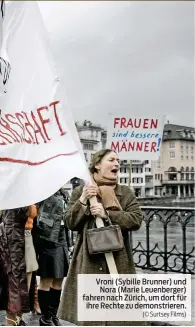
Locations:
(124, 57)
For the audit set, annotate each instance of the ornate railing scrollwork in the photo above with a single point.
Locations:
(173, 250)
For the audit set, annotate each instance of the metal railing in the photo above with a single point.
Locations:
(165, 241)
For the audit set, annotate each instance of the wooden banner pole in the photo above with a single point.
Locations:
(130, 167)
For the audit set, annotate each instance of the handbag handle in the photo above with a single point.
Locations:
(108, 218)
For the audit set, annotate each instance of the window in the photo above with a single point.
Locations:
(192, 176)
(181, 157)
(155, 176)
(171, 145)
(137, 170)
(85, 154)
(186, 157)
(173, 169)
(192, 157)
(88, 146)
(148, 180)
(147, 170)
(137, 180)
(123, 170)
(172, 155)
(192, 149)
(123, 180)
(146, 162)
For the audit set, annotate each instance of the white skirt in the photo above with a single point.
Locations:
(30, 255)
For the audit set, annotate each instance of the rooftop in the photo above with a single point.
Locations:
(88, 125)
(178, 132)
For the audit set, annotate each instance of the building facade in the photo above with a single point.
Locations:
(138, 175)
(91, 138)
(173, 173)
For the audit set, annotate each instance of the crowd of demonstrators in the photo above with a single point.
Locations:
(35, 241)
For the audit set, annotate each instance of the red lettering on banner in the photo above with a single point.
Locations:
(146, 147)
(43, 121)
(131, 146)
(25, 127)
(154, 123)
(126, 146)
(7, 127)
(3, 137)
(123, 121)
(153, 147)
(56, 117)
(123, 147)
(145, 124)
(115, 146)
(136, 123)
(19, 116)
(37, 130)
(139, 146)
(116, 120)
(12, 122)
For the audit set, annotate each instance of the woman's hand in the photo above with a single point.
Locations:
(98, 210)
(88, 192)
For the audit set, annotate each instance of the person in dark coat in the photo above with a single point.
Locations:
(123, 209)
(14, 270)
(52, 251)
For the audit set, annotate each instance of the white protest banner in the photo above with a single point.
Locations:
(135, 138)
(38, 151)
(4, 64)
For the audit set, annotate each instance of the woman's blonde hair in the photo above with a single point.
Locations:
(98, 156)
